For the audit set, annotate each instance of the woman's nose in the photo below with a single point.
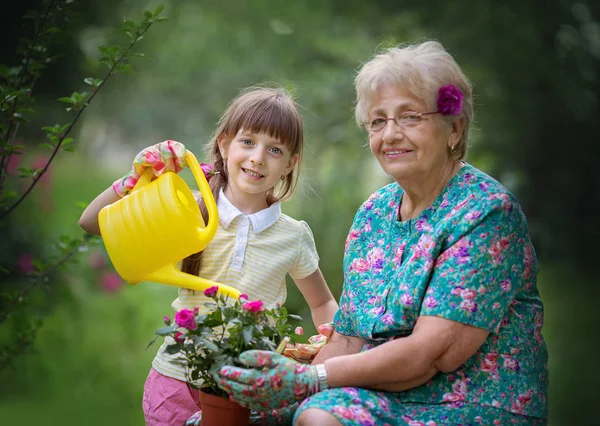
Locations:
(391, 132)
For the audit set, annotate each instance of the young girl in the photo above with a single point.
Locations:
(255, 154)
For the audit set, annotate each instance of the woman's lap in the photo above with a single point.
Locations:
(352, 406)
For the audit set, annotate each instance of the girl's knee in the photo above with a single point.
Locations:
(316, 416)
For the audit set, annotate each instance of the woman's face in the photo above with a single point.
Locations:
(415, 150)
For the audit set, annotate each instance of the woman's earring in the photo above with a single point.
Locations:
(282, 177)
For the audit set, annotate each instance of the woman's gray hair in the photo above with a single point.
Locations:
(422, 69)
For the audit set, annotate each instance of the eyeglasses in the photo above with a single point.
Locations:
(406, 119)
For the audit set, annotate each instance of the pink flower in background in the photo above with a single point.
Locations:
(209, 170)
(211, 291)
(97, 260)
(167, 320)
(244, 296)
(255, 306)
(111, 282)
(185, 318)
(25, 263)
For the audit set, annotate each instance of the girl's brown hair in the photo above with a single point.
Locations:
(269, 110)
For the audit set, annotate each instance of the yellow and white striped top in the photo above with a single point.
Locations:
(252, 253)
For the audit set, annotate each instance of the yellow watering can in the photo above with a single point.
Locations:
(148, 232)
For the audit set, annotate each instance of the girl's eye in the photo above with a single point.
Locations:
(246, 142)
(276, 150)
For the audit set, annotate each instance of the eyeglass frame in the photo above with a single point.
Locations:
(366, 124)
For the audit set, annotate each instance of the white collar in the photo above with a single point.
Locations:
(260, 220)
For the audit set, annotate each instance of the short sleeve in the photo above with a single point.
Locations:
(307, 258)
(475, 278)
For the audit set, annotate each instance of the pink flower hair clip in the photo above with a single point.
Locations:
(209, 170)
(450, 100)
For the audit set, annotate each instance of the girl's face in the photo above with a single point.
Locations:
(255, 163)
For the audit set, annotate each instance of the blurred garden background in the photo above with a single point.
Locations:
(73, 348)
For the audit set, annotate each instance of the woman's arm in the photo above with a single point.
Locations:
(318, 296)
(89, 218)
(339, 345)
(436, 345)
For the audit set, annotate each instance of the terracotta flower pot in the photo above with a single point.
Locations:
(219, 411)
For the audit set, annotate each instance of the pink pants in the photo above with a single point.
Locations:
(167, 401)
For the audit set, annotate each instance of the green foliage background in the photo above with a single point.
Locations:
(535, 70)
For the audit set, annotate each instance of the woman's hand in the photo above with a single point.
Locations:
(167, 156)
(272, 382)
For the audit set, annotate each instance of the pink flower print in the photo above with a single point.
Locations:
(521, 402)
(496, 305)
(473, 215)
(211, 291)
(444, 203)
(388, 319)
(468, 293)
(489, 364)
(344, 412)
(424, 247)
(367, 227)
(456, 291)
(453, 397)
(276, 382)
(469, 305)
(415, 423)
(384, 404)
(422, 225)
(511, 363)
(398, 252)
(484, 186)
(430, 302)
(369, 205)
(506, 285)
(351, 237)
(375, 258)
(25, 263)
(255, 306)
(528, 260)
(363, 417)
(406, 299)
(360, 265)
(496, 404)
(185, 319)
(111, 282)
(497, 248)
(378, 310)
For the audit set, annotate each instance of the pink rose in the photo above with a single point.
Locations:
(167, 320)
(185, 318)
(211, 291)
(255, 306)
(299, 331)
(450, 100)
(243, 296)
(179, 337)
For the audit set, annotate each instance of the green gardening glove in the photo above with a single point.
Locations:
(272, 381)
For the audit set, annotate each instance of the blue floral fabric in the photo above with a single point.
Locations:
(467, 258)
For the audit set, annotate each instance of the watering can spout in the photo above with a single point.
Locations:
(170, 275)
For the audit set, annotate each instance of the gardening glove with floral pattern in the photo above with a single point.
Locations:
(167, 156)
(272, 382)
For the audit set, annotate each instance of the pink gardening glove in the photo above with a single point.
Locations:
(167, 156)
(306, 352)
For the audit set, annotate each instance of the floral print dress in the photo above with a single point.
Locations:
(467, 258)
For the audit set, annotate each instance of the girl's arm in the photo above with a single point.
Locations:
(318, 296)
(89, 218)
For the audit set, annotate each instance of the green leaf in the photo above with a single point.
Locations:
(89, 80)
(46, 145)
(158, 10)
(296, 317)
(165, 331)
(129, 23)
(148, 14)
(67, 100)
(69, 148)
(4, 270)
(7, 195)
(162, 19)
(248, 333)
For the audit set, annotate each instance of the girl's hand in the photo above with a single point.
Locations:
(167, 156)
(272, 382)
(306, 352)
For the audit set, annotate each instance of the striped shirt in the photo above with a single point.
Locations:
(252, 253)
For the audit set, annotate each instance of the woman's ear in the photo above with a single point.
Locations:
(456, 132)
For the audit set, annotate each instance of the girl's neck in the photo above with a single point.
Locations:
(418, 197)
(246, 203)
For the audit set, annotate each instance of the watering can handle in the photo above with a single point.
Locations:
(213, 217)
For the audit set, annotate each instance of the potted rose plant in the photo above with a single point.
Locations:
(204, 342)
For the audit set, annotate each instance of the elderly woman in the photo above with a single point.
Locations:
(440, 318)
